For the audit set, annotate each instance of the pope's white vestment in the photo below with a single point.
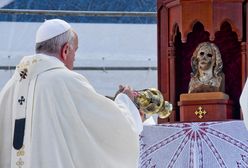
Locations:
(67, 123)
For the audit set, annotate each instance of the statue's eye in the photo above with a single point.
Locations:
(209, 55)
(201, 53)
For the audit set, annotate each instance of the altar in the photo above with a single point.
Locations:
(207, 136)
(195, 145)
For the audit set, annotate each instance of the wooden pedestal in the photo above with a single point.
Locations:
(211, 106)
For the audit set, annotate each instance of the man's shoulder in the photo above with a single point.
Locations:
(57, 73)
(60, 75)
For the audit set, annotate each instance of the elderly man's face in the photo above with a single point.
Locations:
(205, 58)
(69, 62)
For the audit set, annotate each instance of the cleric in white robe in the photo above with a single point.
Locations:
(244, 103)
(51, 117)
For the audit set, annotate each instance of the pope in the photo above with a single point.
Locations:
(51, 116)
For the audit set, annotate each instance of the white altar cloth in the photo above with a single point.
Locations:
(195, 145)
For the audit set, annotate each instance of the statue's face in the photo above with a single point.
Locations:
(206, 58)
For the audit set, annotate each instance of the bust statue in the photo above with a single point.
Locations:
(207, 75)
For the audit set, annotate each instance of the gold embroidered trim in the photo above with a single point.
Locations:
(20, 153)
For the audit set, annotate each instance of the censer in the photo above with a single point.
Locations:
(151, 101)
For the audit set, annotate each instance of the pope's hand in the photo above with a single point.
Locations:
(128, 91)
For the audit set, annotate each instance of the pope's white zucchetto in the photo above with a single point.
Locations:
(51, 28)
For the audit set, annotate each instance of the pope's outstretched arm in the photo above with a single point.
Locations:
(126, 103)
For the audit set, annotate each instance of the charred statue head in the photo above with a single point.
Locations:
(207, 75)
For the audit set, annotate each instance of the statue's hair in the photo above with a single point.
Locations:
(53, 46)
(218, 65)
